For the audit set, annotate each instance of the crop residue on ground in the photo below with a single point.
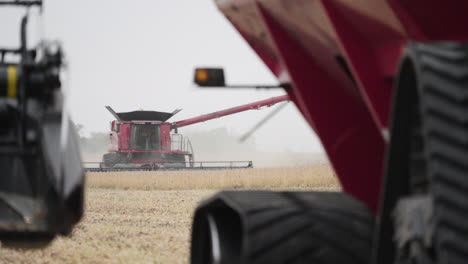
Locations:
(134, 218)
(320, 175)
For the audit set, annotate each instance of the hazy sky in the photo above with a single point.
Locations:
(141, 54)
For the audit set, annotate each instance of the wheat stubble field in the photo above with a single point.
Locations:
(145, 217)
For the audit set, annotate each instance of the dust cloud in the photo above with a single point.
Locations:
(217, 144)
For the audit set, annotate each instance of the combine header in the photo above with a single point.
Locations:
(143, 140)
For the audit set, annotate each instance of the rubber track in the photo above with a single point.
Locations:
(444, 93)
(304, 227)
(113, 158)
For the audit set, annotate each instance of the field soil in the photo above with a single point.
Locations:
(146, 217)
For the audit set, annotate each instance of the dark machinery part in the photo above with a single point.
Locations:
(110, 159)
(115, 161)
(426, 189)
(214, 77)
(26, 3)
(175, 166)
(145, 115)
(41, 184)
(281, 227)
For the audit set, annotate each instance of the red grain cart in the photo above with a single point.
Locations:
(384, 84)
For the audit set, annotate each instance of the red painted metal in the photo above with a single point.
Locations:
(341, 57)
(165, 136)
(363, 56)
(230, 111)
(432, 20)
(154, 151)
(121, 132)
(344, 131)
(124, 136)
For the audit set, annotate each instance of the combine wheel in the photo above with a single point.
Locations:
(431, 218)
(281, 227)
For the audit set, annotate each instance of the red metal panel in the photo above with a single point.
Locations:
(124, 136)
(373, 62)
(342, 122)
(431, 20)
(165, 133)
(302, 39)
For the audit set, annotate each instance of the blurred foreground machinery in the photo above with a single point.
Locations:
(41, 179)
(384, 84)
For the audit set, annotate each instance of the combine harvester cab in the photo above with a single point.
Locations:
(143, 140)
(384, 84)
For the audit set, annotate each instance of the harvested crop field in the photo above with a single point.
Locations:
(145, 217)
(319, 175)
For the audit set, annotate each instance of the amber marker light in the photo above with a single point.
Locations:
(201, 75)
(209, 77)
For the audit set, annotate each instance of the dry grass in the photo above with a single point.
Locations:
(123, 226)
(304, 177)
(130, 220)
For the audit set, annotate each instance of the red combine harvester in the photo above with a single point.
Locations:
(384, 84)
(142, 140)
